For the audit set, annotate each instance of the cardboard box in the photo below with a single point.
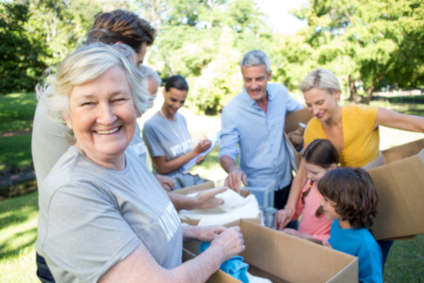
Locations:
(284, 258)
(400, 186)
(293, 119)
(206, 186)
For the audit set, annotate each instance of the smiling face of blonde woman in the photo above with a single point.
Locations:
(103, 117)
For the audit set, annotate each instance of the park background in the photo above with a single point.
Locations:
(374, 47)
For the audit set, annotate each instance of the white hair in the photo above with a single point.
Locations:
(85, 64)
(255, 58)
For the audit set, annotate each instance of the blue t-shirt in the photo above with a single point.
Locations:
(359, 243)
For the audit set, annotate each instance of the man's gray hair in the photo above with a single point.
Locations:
(150, 74)
(255, 58)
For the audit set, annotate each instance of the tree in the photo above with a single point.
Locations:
(375, 36)
(203, 40)
(20, 52)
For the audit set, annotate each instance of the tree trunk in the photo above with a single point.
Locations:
(371, 89)
(353, 93)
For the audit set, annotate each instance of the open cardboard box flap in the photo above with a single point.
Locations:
(284, 258)
(400, 186)
(294, 118)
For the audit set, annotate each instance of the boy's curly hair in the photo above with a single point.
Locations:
(354, 195)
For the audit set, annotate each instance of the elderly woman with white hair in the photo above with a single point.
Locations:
(103, 216)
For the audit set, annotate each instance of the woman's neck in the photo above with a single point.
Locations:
(335, 118)
(166, 114)
(111, 162)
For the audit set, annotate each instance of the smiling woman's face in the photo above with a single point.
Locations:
(174, 99)
(321, 103)
(103, 117)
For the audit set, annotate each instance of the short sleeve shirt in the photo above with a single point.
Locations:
(361, 137)
(167, 138)
(92, 217)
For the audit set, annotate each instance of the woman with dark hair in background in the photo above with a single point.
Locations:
(168, 139)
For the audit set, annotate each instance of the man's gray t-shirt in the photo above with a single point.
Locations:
(92, 217)
(167, 138)
(50, 139)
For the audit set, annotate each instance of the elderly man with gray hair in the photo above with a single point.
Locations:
(252, 127)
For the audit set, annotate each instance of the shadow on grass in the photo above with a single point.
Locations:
(15, 152)
(17, 111)
(23, 239)
(17, 210)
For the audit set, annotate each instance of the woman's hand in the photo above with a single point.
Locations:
(283, 217)
(230, 242)
(166, 182)
(200, 159)
(202, 146)
(235, 178)
(208, 233)
(208, 199)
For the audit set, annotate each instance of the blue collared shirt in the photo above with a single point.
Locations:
(258, 137)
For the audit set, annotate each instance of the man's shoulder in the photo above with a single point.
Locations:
(235, 102)
(278, 90)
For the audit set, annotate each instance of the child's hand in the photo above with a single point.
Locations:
(282, 218)
(291, 231)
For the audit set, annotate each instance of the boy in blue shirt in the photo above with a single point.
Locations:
(349, 197)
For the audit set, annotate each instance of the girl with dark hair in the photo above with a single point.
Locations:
(319, 157)
(350, 200)
(168, 139)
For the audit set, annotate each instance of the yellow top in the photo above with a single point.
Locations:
(361, 138)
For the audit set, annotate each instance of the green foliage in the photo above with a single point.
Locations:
(20, 52)
(376, 40)
(36, 34)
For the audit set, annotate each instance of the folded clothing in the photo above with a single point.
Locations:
(235, 207)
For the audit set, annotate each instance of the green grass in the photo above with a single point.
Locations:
(15, 151)
(408, 107)
(18, 232)
(406, 261)
(17, 111)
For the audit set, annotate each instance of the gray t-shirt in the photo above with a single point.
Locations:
(92, 217)
(167, 138)
(137, 144)
(50, 139)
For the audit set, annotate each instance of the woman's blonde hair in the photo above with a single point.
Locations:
(322, 79)
(85, 64)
